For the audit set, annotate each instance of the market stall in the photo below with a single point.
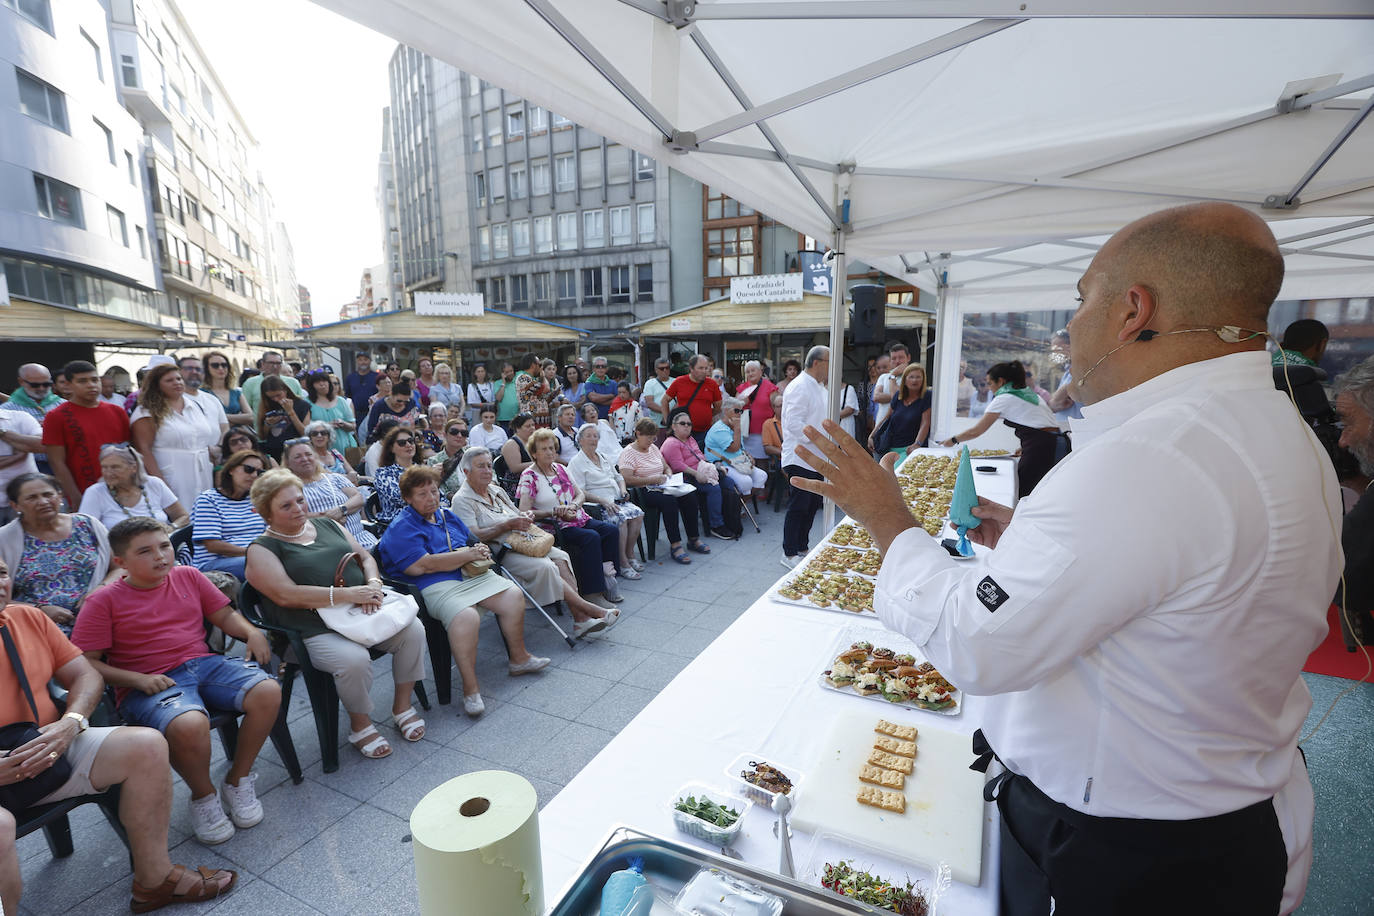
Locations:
(730, 703)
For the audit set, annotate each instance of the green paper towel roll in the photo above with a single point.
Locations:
(476, 843)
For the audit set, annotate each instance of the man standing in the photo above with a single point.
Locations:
(21, 437)
(361, 384)
(599, 389)
(1304, 342)
(698, 394)
(74, 432)
(34, 396)
(107, 391)
(507, 397)
(1355, 407)
(654, 399)
(271, 365)
(193, 374)
(1062, 401)
(1144, 688)
(886, 386)
(804, 404)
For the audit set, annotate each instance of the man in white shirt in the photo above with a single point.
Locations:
(20, 438)
(886, 386)
(1142, 621)
(653, 398)
(107, 391)
(804, 403)
(193, 373)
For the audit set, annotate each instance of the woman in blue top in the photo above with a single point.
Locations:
(426, 546)
(908, 422)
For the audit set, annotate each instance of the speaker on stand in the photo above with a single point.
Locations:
(869, 323)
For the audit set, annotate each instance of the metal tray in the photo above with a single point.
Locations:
(669, 865)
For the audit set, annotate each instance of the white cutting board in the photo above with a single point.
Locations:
(943, 821)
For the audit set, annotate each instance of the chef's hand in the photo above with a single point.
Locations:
(858, 484)
(995, 518)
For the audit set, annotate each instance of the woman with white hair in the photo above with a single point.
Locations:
(756, 393)
(432, 439)
(321, 436)
(724, 445)
(601, 480)
(608, 443)
(444, 391)
(125, 490)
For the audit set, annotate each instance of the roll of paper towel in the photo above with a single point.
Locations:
(476, 841)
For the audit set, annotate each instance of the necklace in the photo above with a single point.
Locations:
(114, 494)
(283, 534)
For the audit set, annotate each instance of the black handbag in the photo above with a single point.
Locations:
(20, 795)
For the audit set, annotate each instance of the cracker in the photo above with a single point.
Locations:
(888, 801)
(892, 729)
(889, 779)
(891, 761)
(893, 746)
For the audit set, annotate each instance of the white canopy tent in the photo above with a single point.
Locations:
(1011, 136)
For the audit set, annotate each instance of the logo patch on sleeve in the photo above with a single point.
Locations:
(991, 594)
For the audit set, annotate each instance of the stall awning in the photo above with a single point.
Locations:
(27, 321)
(721, 316)
(404, 326)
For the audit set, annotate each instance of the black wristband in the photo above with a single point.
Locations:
(954, 439)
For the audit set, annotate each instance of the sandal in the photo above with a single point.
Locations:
(195, 886)
(698, 547)
(375, 749)
(410, 725)
(629, 572)
(680, 555)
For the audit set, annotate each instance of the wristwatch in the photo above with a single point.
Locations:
(81, 723)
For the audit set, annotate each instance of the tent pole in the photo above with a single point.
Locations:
(837, 316)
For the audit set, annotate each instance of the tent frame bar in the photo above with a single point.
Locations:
(1291, 200)
(1315, 233)
(1032, 181)
(1051, 9)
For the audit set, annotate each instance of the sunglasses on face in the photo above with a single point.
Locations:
(405, 441)
(682, 423)
(455, 431)
(322, 433)
(37, 384)
(218, 365)
(252, 470)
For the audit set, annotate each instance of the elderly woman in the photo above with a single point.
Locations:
(625, 412)
(56, 558)
(546, 490)
(445, 392)
(398, 453)
(599, 478)
(491, 516)
(756, 393)
(328, 406)
(293, 565)
(432, 437)
(685, 457)
(223, 522)
(515, 456)
(608, 443)
(566, 430)
(427, 546)
(327, 495)
(642, 465)
(320, 435)
(126, 491)
(174, 433)
(725, 444)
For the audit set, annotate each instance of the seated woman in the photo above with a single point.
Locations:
(398, 453)
(601, 481)
(126, 491)
(491, 515)
(56, 558)
(397, 403)
(642, 465)
(725, 444)
(293, 565)
(427, 547)
(281, 415)
(432, 436)
(515, 456)
(546, 490)
(331, 459)
(327, 495)
(625, 413)
(223, 522)
(565, 428)
(487, 434)
(240, 439)
(372, 458)
(608, 443)
(684, 456)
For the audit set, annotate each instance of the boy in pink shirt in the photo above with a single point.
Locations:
(145, 634)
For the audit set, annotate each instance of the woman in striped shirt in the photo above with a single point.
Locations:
(223, 521)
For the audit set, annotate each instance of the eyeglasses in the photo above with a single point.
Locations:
(405, 442)
(28, 384)
(456, 431)
(253, 469)
(682, 422)
(737, 410)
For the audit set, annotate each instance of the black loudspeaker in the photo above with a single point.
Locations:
(870, 313)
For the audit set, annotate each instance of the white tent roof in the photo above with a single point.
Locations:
(949, 126)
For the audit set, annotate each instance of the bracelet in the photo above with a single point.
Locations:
(331, 596)
(375, 579)
(954, 439)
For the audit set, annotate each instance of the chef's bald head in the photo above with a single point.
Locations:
(1206, 263)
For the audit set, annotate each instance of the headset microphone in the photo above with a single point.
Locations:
(1145, 335)
(1229, 333)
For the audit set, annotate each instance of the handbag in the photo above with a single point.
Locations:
(743, 462)
(472, 568)
(350, 621)
(20, 795)
(533, 542)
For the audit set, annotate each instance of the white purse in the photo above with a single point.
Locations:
(352, 622)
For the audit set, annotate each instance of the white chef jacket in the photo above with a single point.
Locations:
(1145, 616)
(804, 403)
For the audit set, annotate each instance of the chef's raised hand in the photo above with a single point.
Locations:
(857, 484)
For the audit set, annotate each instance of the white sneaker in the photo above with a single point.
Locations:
(242, 801)
(208, 822)
(473, 705)
(791, 562)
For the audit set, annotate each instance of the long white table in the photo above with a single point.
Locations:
(754, 689)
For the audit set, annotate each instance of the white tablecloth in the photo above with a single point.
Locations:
(752, 690)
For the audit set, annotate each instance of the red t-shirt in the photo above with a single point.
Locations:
(42, 650)
(82, 431)
(702, 407)
(152, 630)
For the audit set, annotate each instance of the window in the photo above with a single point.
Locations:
(129, 164)
(620, 285)
(479, 180)
(539, 119)
(39, 100)
(567, 287)
(95, 52)
(58, 201)
(196, 260)
(560, 121)
(494, 136)
(565, 172)
(498, 291)
(500, 240)
(520, 291)
(543, 289)
(202, 171)
(539, 177)
(543, 234)
(474, 85)
(593, 228)
(178, 100)
(128, 70)
(515, 122)
(723, 207)
(36, 11)
(591, 286)
(192, 207)
(644, 167)
(589, 164)
(475, 129)
(206, 99)
(119, 232)
(484, 243)
(109, 141)
(645, 212)
(645, 281)
(519, 182)
(567, 231)
(620, 226)
(142, 242)
(730, 252)
(520, 237)
(618, 164)
(496, 180)
(184, 158)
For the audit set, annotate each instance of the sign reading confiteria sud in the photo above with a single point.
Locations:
(466, 305)
(767, 288)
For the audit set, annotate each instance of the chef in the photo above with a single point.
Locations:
(1142, 621)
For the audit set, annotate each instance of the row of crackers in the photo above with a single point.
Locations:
(890, 762)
